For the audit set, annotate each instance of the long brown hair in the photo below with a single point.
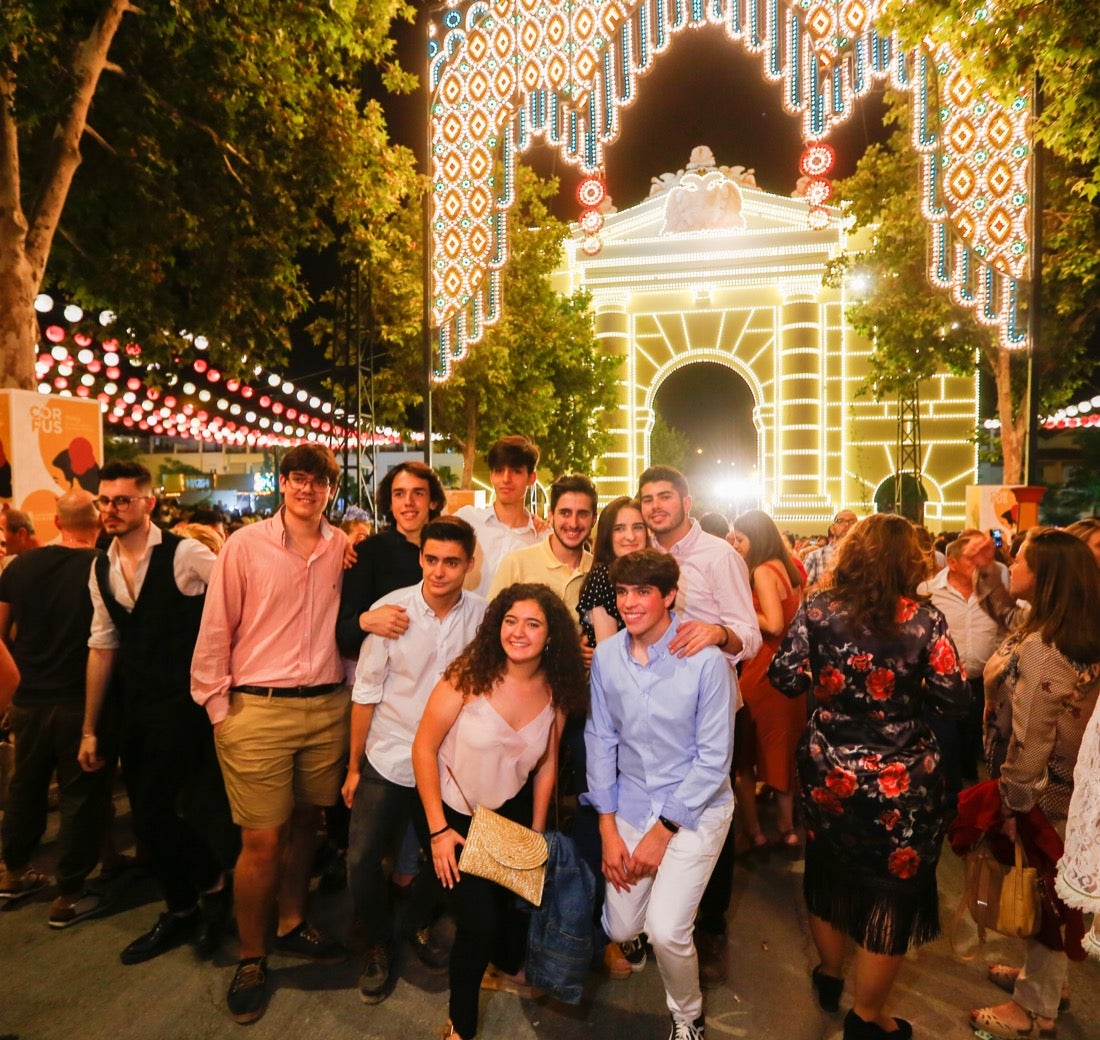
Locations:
(478, 668)
(878, 562)
(1066, 602)
(766, 542)
(602, 551)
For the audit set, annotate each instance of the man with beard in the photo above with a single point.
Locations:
(715, 601)
(562, 560)
(147, 600)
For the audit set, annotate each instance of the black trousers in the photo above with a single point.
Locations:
(167, 750)
(380, 816)
(47, 738)
(489, 927)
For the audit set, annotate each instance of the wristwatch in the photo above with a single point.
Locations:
(666, 822)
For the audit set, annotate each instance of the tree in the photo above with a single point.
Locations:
(538, 371)
(171, 163)
(1005, 45)
(918, 330)
(668, 444)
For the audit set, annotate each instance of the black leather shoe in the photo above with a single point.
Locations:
(855, 1028)
(169, 932)
(428, 949)
(247, 996)
(215, 908)
(828, 990)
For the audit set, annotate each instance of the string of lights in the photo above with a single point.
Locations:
(506, 72)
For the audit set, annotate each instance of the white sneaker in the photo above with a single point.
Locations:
(681, 1030)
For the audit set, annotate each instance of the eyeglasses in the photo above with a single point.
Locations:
(304, 482)
(120, 502)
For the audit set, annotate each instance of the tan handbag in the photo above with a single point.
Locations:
(1019, 911)
(500, 850)
(503, 851)
(1002, 899)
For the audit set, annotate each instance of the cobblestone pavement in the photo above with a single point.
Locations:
(65, 985)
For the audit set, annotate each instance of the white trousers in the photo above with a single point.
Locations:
(664, 906)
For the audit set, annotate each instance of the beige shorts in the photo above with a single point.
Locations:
(278, 752)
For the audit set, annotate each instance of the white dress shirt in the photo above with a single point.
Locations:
(495, 540)
(397, 675)
(191, 567)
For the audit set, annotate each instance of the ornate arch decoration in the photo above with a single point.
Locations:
(505, 72)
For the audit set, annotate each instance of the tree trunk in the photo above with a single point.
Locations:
(469, 445)
(1013, 424)
(18, 328)
(25, 240)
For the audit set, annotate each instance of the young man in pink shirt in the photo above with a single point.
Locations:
(269, 673)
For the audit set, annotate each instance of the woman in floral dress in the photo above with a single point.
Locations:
(878, 662)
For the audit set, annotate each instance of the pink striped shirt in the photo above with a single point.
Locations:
(270, 616)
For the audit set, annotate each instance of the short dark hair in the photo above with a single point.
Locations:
(670, 473)
(575, 484)
(715, 523)
(646, 567)
(514, 451)
(126, 469)
(450, 529)
(437, 497)
(315, 460)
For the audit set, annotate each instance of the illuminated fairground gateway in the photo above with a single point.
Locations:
(712, 269)
(503, 73)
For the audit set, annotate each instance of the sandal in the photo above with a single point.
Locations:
(987, 1022)
(1005, 975)
(16, 885)
(758, 844)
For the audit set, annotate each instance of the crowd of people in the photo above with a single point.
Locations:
(636, 672)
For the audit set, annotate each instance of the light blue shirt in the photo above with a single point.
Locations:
(660, 736)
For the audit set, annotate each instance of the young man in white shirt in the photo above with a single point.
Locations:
(392, 682)
(505, 524)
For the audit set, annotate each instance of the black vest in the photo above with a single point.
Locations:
(157, 638)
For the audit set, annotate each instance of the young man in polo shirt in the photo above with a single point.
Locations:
(269, 673)
(561, 561)
(660, 744)
(504, 524)
(392, 683)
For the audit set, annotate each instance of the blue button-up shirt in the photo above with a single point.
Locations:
(660, 736)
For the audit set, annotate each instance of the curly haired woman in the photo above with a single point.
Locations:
(489, 736)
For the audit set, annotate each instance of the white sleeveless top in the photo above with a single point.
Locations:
(490, 760)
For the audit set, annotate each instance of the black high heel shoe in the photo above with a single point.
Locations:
(827, 989)
(855, 1028)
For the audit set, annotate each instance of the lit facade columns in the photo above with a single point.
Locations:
(612, 324)
(800, 435)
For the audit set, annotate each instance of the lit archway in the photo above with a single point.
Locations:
(505, 72)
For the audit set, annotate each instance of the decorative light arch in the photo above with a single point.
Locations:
(504, 72)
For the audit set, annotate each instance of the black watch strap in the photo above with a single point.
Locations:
(666, 822)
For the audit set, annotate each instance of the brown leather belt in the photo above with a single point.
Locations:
(288, 691)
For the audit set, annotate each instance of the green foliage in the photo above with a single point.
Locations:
(918, 330)
(538, 371)
(1003, 46)
(227, 140)
(669, 445)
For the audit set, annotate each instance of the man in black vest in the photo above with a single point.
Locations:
(45, 614)
(147, 597)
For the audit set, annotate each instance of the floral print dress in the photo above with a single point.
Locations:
(869, 766)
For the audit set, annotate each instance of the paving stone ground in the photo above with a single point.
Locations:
(70, 985)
